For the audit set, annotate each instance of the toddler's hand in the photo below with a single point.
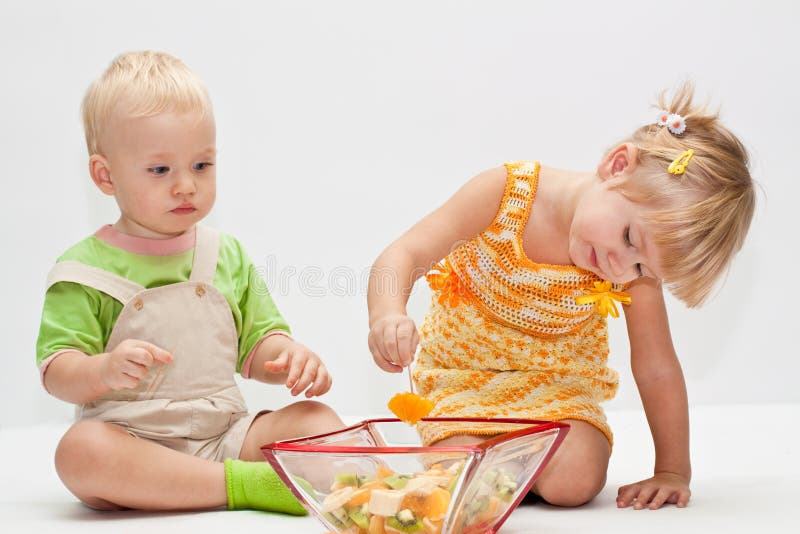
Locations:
(304, 369)
(393, 342)
(662, 487)
(128, 363)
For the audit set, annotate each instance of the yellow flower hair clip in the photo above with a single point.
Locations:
(603, 298)
(678, 166)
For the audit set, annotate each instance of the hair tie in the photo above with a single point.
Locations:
(674, 122)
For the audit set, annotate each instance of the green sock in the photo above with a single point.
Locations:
(256, 486)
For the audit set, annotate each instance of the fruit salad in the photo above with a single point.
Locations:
(391, 503)
(491, 498)
(394, 503)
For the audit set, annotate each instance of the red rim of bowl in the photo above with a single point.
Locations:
(537, 426)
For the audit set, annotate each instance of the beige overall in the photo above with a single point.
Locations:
(192, 405)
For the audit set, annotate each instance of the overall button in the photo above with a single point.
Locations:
(200, 290)
(138, 304)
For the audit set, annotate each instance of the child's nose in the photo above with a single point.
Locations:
(623, 266)
(184, 184)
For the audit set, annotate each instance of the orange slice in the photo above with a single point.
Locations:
(410, 407)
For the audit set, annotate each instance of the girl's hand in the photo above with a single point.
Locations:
(393, 340)
(129, 362)
(304, 368)
(655, 491)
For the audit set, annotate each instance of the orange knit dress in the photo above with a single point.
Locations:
(505, 337)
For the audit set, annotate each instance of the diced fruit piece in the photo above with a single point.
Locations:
(375, 484)
(383, 472)
(439, 480)
(376, 523)
(489, 476)
(477, 505)
(431, 527)
(419, 486)
(359, 517)
(451, 487)
(491, 512)
(433, 504)
(505, 486)
(339, 521)
(396, 481)
(436, 503)
(359, 497)
(404, 522)
(455, 468)
(415, 503)
(385, 502)
(347, 479)
(337, 499)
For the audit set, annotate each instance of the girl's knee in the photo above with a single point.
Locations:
(571, 488)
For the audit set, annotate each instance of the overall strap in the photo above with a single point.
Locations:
(206, 252)
(109, 283)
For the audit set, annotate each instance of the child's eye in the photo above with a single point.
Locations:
(161, 169)
(202, 165)
(627, 236)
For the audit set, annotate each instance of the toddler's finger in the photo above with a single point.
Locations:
(138, 355)
(390, 345)
(134, 370)
(660, 498)
(296, 366)
(626, 495)
(306, 378)
(378, 356)
(683, 498)
(387, 366)
(279, 364)
(646, 494)
(405, 336)
(156, 352)
(322, 383)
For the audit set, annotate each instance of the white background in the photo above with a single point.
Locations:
(342, 123)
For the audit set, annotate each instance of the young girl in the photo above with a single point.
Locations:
(535, 257)
(146, 322)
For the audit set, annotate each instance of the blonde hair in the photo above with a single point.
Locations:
(140, 84)
(701, 217)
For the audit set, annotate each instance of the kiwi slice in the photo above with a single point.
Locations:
(359, 517)
(347, 479)
(396, 481)
(339, 524)
(405, 521)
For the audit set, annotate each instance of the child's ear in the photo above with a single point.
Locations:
(622, 159)
(101, 175)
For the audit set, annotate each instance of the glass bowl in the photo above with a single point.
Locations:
(376, 477)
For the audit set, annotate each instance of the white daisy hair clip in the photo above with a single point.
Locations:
(674, 122)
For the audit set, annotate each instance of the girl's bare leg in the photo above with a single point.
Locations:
(575, 474)
(108, 469)
(577, 471)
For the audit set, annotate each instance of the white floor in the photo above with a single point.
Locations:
(746, 479)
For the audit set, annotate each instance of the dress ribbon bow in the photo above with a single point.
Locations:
(603, 298)
(451, 289)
